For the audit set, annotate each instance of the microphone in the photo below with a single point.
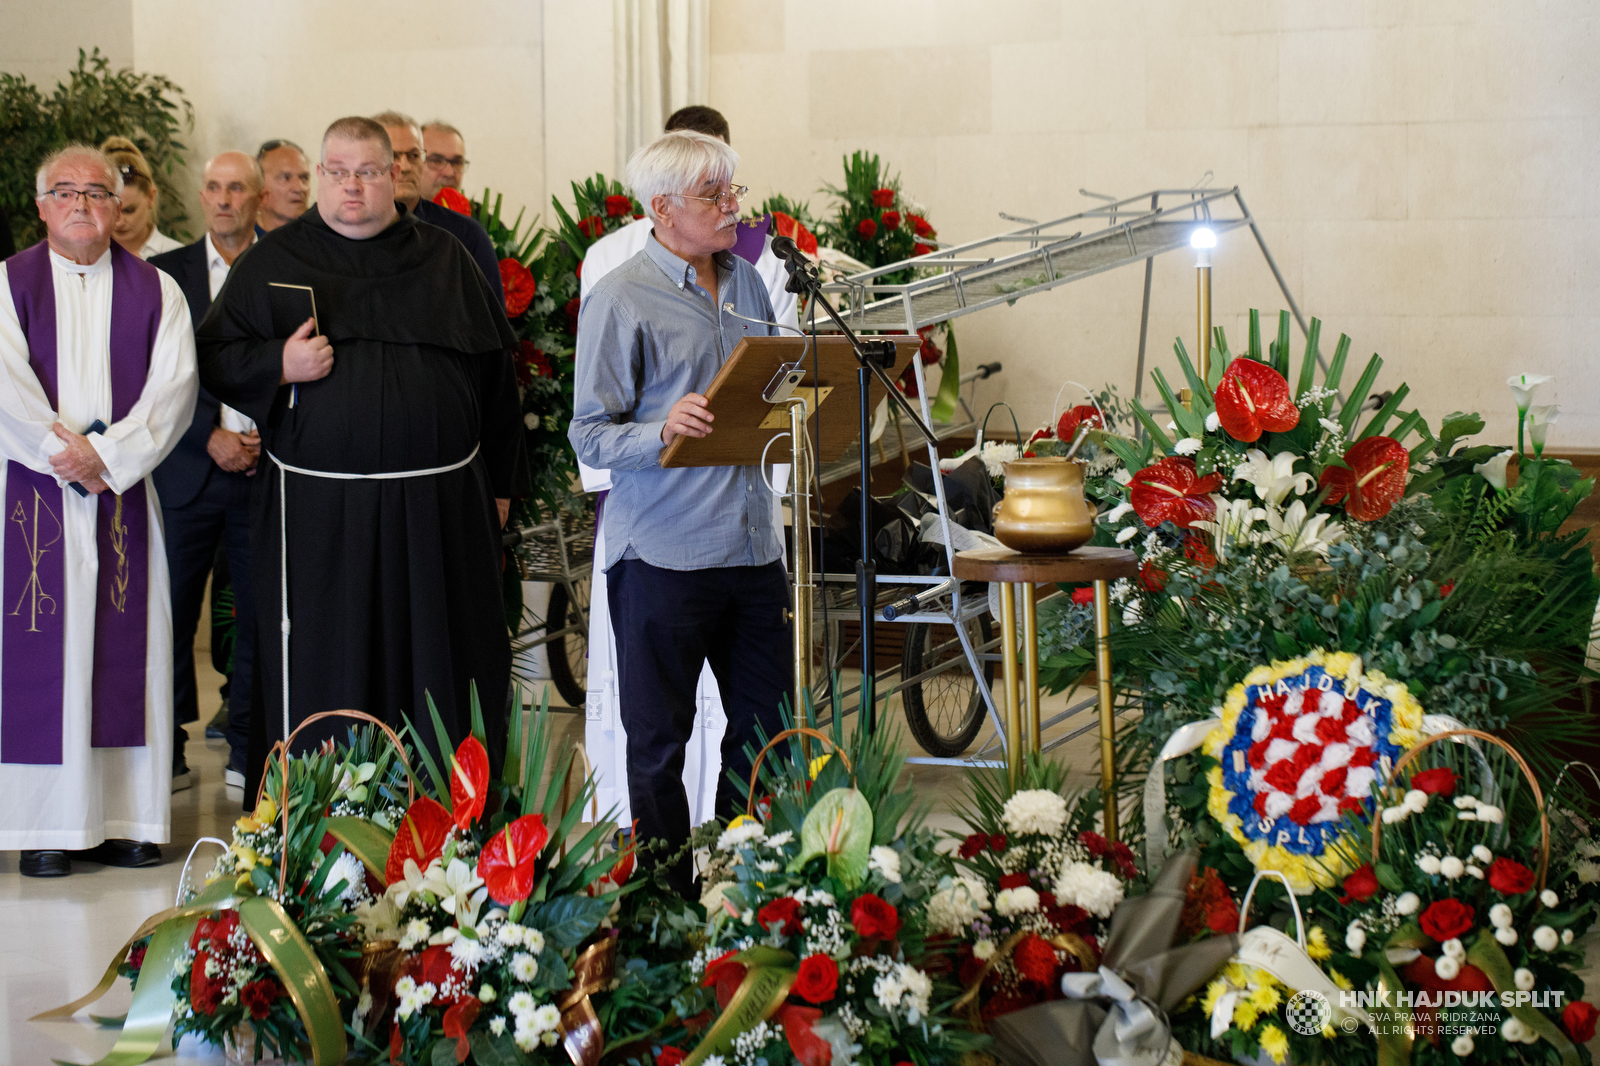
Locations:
(795, 262)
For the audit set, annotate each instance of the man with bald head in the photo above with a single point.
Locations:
(411, 178)
(98, 358)
(391, 443)
(286, 176)
(205, 483)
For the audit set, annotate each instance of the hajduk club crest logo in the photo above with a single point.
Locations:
(1300, 744)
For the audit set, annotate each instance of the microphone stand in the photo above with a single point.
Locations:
(874, 356)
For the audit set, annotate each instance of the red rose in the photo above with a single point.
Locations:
(1035, 960)
(972, 845)
(1510, 878)
(882, 197)
(867, 228)
(670, 1056)
(617, 206)
(818, 979)
(874, 917)
(1083, 595)
(1439, 782)
(1578, 1018)
(452, 198)
(1016, 880)
(997, 842)
(519, 283)
(1362, 885)
(1447, 919)
(1093, 841)
(890, 219)
(223, 930)
(711, 968)
(571, 309)
(784, 913)
(202, 931)
(920, 227)
(592, 226)
(920, 249)
(257, 996)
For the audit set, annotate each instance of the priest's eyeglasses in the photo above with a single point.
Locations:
(67, 197)
(454, 162)
(728, 199)
(365, 176)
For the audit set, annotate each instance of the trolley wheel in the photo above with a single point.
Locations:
(944, 711)
(569, 654)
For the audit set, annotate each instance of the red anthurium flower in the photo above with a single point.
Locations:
(789, 226)
(469, 782)
(882, 197)
(1172, 491)
(1376, 477)
(1252, 399)
(1074, 418)
(421, 838)
(452, 198)
(519, 283)
(506, 864)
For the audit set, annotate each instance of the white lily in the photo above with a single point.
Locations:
(412, 881)
(1494, 469)
(379, 918)
(1274, 479)
(1540, 419)
(1522, 386)
(1232, 524)
(454, 884)
(1294, 532)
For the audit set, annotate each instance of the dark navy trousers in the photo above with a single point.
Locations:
(667, 623)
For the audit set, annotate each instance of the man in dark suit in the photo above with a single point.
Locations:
(205, 483)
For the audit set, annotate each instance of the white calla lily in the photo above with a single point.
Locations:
(1540, 419)
(1275, 478)
(1494, 469)
(1523, 385)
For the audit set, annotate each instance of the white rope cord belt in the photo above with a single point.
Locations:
(283, 538)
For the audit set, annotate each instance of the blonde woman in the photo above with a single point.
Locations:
(135, 226)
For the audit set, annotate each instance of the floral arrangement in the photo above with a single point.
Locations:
(817, 910)
(1035, 889)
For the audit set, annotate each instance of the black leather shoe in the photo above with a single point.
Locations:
(45, 864)
(126, 853)
(215, 727)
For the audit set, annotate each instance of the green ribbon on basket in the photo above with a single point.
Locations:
(769, 975)
(944, 401)
(366, 842)
(154, 1001)
(1487, 955)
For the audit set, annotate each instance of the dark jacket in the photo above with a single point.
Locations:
(472, 236)
(184, 472)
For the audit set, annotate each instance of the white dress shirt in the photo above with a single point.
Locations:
(217, 272)
(157, 243)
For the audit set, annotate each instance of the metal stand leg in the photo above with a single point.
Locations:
(1030, 669)
(1102, 667)
(1008, 666)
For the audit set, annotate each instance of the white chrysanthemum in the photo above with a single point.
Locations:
(1462, 1046)
(405, 986)
(1013, 901)
(467, 952)
(956, 905)
(1475, 871)
(1452, 867)
(524, 967)
(1524, 979)
(1089, 887)
(525, 1038)
(533, 940)
(1500, 916)
(547, 1017)
(1490, 814)
(509, 934)
(417, 932)
(743, 833)
(1447, 967)
(497, 1024)
(1355, 938)
(1407, 903)
(1506, 936)
(1454, 948)
(1566, 936)
(348, 868)
(1186, 446)
(1429, 864)
(1482, 854)
(1546, 938)
(919, 989)
(778, 840)
(1549, 898)
(1213, 422)
(1034, 810)
(983, 950)
(1512, 1030)
(522, 1003)
(886, 861)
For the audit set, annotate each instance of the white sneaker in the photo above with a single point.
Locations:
(183, 781)
(233, 779)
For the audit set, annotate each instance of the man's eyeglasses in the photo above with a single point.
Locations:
(729, 198)
(454, 162)
(67, 197)
(414, 156)
(366, 177)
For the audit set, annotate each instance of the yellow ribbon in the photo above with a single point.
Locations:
(770, 975)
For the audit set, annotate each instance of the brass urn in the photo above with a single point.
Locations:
(1044, 510)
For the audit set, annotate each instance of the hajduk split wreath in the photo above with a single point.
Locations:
(1299, 744)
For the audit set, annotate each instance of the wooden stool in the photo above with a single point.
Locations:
(1016, 574)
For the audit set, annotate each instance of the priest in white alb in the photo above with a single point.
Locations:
(99, 383)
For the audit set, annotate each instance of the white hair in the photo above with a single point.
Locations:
(677, 163)
(76, 153)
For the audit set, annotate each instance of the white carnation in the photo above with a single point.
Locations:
(983, 950)
(1452, 867)
(1035, 810)
(1407, 903)
(524, 967)
(1524, 979)
(1500, 916)
(1089, 887)
(1549, 898)
(1546, 938)
(1355, 938)
(886, 861)
(1429, 863)
(1013, 901)
(957, 904)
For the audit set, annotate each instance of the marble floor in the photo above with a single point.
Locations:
(57, 935)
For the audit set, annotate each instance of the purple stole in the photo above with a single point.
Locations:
(33, 615)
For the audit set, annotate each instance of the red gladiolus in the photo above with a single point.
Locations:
(592, 226)
(874, 917)
(920, 249)
(520, 286)
(617, 206)
(1578, 1019)
(257, 997)
(1361, 885)
(671, 1056)
(788, 226)
(1510, 878)
(1075, 418)
(506, 864)
(783, 913)
(532, 363)
(1446, 919)
(1253, 398)
(867, 228)
(1437, 782)
(452, 198)
(1374, 480)
(421, 838)
(1171, 491)
(818, 979)
(882, 197)
(469, 778)
(1035, 960)
(921, 228)
(890, 219)
(1197, 550)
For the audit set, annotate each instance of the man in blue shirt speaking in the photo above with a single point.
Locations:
(693, 556)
